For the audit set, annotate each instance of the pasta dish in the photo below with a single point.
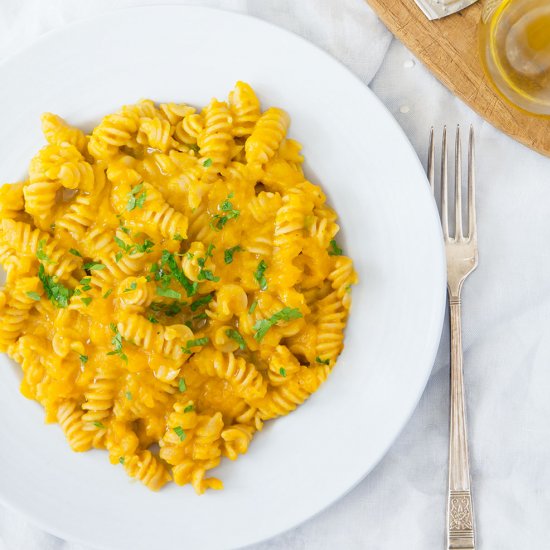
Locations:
(173, 281)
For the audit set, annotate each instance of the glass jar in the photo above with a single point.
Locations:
(515, 50)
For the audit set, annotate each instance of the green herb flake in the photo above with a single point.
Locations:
(228, 253)
(99, 425)
(234, 334)
(168, 293)
(41, 253)
(334, 249)
(92, 266)
(86, 301)
(152, 319)
(181, 385)
(282, 372)
(34, 296)
(253, 306)
(132, 286)
(121, 460)
(146, 247)
(118, 257)
(168, 259)
(128, 396)
(107, 294)
(116, 341)
(259, 275)
(177, 237)
(83, 359)
(180, 433)
(55, 291)
(75, 252)
(193, 147)
(135, 199)
(195, 344)
(204, 300)
(189, 408)
(207, 163)
(322, 361)
(121, 244)
(219, 220)
(263, 325)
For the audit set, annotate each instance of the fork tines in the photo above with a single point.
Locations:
(458, 233)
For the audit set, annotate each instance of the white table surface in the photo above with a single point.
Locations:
(506, 317)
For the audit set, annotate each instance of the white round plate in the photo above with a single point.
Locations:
(299, 464)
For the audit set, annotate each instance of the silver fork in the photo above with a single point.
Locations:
(462, 258)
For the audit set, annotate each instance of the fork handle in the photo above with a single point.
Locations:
(460, 517)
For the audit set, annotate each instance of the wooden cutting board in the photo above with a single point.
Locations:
(449, 48)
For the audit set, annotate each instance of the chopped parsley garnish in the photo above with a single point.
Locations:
(206, 274)
(121, 460)
(55, 291)
(108, 293)
(99, 425)
(92, 266)
(146, 246)
(116, 340)
(41, 253)
(128, 395)
(207, 163)
(126, 247)
(86, 284)
(219, 220)
(282, 372)
(118, 257)
(181, 385)
(86, 301)
(169, 310)
(132, 249)
(168, 259)
(83, 359)
(334, 249)
(234, 334)
(253, 306)
(180, 433)
(204, 300)
(259, 275)
(322, 361)
(152, 319)
(200, 316)
(189, 408)
(75, 252)
(34, 296)
(132, 286)
(195, 344)
(193, 147)
(135, 198)
(168, 293)
(263, 325)
(177, 237)
(228, 253)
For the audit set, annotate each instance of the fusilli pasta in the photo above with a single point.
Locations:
(173, 282)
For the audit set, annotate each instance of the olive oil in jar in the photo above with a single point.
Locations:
(515, 48)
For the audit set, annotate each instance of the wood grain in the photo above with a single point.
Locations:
(449, 48)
